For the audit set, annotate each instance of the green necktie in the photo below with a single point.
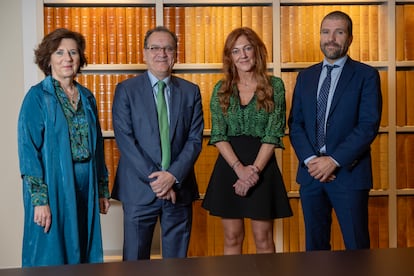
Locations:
(164, 127)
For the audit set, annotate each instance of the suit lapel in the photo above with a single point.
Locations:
(148, 101)
(175, 105)
(149, 106)
(344, 80)
(312, 84)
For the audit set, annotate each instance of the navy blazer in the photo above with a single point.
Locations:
(137, 135)
(352, 123)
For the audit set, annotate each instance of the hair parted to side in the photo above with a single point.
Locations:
(50, 44)
(160, 29)
(340, 15)
(264, 90)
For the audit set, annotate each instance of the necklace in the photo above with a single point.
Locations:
(72, 96)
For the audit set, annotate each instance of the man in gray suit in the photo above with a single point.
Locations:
(155, 179)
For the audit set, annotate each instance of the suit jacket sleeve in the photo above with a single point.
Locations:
(186, 140)
(132, 154)
(351, 135)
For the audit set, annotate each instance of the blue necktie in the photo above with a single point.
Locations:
(163, 126)
(321, 107)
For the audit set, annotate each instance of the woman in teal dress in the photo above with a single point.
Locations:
(60, 146)
(248, 122)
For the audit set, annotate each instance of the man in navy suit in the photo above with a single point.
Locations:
(149, 190)
(335, 173)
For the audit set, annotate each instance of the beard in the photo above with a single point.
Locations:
(335, 51)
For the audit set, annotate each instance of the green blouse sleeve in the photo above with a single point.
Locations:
(218, 122)
(275, 129)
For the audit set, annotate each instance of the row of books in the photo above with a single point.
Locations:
(300, 28)
(405, 98)
(103, 87)
(405, 222)
(206, 28)
(404, 32)
(112, 154)
(405, 152)
(116, 34)
(206, 82)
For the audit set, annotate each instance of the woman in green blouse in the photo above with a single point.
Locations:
(65, 180)
(248, 112)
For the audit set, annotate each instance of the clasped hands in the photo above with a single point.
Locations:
(322, 168)
(247, 178)
(162, 186)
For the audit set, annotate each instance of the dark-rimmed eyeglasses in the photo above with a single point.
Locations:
(158, 49)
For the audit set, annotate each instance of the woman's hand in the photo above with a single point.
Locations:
(43, 217)
(241, 188)
(247, 174)
(104, 205)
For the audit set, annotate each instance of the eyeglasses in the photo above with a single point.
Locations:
(245, 49)
(158, 49)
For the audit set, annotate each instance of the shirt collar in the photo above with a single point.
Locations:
(340, 62)
(154, 79)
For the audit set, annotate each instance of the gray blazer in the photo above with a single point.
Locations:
(136, 130)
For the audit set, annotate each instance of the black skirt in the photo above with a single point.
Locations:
(266, 200)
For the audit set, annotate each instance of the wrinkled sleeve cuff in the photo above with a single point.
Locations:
(38, 190)
(103, 188)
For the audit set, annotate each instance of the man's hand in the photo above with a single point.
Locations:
(162, 185)
(170, 196)
(322, 168)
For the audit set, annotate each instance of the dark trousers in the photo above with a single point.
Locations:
(139, 224)
(351, 208)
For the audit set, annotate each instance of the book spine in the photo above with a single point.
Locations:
(121, 55)
(49, 21)
(111, 34)
(130, 35)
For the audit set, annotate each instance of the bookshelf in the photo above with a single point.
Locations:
(383, 38)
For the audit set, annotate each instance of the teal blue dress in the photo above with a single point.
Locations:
(62, 164)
